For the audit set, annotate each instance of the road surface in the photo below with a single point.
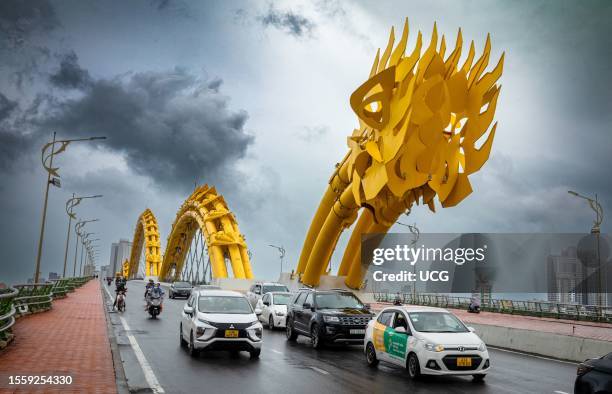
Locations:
(297, 368)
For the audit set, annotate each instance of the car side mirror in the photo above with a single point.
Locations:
(188, 310)
(306, 305)
(472, 329)
(257, 291)
(267, 303)
(400, 330)
(258, 311)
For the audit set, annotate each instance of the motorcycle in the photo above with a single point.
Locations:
(155, 306)
(121, 301)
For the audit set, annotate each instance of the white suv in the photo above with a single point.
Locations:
(429, 341)
(257, 290)
(220, 320)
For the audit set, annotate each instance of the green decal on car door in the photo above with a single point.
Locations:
(395, 343)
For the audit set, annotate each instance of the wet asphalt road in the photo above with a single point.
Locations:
(297, 368)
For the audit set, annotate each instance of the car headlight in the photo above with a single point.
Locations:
(205, 331)
(206, 322)
(434, 348)
(331, 319)
(255, 331)
(482, 347)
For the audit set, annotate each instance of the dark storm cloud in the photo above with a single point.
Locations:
(6, 107)
(171, 126)
(70, 75)
(19, 19)
(288, 21)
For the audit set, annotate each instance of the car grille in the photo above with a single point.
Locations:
(354, 320)
(230, 326)
(451, 362)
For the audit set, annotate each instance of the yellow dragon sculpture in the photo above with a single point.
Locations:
(422, 119)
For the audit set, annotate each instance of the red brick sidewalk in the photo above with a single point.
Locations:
(71, 339)
(592, 330)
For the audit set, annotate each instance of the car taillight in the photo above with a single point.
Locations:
(582, 369)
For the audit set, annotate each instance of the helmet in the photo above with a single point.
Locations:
(117, 274)
(150, 280)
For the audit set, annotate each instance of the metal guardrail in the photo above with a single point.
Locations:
(7, 312)
(33, 298)
(515, 307)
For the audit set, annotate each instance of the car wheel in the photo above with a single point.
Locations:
(370, 354)
(413, 367)
(255, 353)
(193, 352)
(182, 341)
(271, 322)
(479, 377)
(315, 338)
(289, 331)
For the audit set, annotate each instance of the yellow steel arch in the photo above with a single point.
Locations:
(206, 210)
(146, 235)
(422, 118)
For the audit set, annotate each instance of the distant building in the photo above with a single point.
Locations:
(53, 275)
(565, 278)
(30, 280)
(120, 251)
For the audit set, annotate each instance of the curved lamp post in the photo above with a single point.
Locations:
(53, 178)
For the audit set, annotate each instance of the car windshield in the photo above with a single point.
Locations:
(224, 304)
(181, 284)
(270, 288)
(337, 301)
(436, 322)
(282, 299)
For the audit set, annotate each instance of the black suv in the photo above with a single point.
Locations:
(327, 316)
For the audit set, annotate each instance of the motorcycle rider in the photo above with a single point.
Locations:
(155, 291)
(474, 306)
(120, 286)
(148, 287)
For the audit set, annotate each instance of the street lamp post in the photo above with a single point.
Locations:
(415, 233)
(84, 244)
(598, 209)
(52, 179)
(70, 204)
(77, 230)
(281, 252)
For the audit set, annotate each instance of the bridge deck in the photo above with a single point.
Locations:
(71, 339)
(583, 329)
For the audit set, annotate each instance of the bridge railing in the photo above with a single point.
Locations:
(515, 307)
(7, 314)
(32, 298)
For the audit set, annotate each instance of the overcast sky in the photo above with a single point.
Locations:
(252, 97)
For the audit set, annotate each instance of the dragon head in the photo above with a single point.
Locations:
(422, 120)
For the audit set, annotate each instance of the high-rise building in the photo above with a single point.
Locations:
(565, 278)
(120, 251)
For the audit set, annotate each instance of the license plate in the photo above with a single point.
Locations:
(357, 331)
(464, 362)
(231, 333)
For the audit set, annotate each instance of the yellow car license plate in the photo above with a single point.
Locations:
(464, 362)
(234, 334)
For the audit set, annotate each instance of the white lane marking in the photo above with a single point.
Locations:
(276, 351)
(142, 360)
(560, 392)
(533, 355)
(319, 370)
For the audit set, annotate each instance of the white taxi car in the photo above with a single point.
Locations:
(220, 320)
(429, 341)
(274, 309)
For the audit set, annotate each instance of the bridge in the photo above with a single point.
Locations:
(425, 125)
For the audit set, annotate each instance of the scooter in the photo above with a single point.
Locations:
(155, 306)
(473, 308)
(121, 301)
